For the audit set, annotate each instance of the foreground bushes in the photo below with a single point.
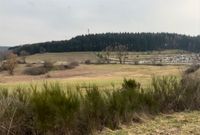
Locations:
(54, 110)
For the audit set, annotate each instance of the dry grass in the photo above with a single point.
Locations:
(69, 57)
(101, 75)
(184, 123)
(82, 56)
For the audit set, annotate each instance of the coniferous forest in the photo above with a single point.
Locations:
(133, 41)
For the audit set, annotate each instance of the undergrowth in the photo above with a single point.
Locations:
(54, 110)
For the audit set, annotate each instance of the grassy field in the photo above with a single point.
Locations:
(82, 56)
(71, 56)
(102, 75)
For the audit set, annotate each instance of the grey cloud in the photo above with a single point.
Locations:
(27, 21)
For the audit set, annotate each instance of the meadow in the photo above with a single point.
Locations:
(107, 99)
(105, 76)
(82, 56)
(101, 74)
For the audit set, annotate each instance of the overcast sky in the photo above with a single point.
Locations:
(29, 21)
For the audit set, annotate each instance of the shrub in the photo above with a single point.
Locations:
(48, 65)
(136, 63)
(166, 91)
(69, 66)
(15, 116)
(47, 75)
(158, 64)
(74, 64)
(29, 65)
(88, 62)
(59, 67)
(35, 71)
(94, 110)
(11, 63)
(190, 93)
(192, 69)
(55, 109)
(3, 66)
(130, 84)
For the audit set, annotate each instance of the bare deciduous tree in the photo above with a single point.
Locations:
(121, 53)
(104, 56)
(11, 63)
(107, 53)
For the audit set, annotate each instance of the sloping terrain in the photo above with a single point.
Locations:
(184, 123)
(3, 48)
(133, 42)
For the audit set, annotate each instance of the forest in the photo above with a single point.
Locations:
(98, 42)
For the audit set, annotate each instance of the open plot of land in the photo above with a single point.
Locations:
(82, 56)
(68, 57)
(101, 75)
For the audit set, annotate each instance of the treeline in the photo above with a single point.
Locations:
(133, 41)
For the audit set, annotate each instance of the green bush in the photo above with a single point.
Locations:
(166, 91)
(55, 110)
(130, 84)
(94, 112)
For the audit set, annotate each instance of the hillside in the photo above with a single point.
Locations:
(133, 41)
(3, 48)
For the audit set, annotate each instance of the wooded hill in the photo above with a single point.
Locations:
(133, 41)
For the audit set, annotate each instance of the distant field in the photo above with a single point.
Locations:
(82, 56)
(69, 57)
(101, 75)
